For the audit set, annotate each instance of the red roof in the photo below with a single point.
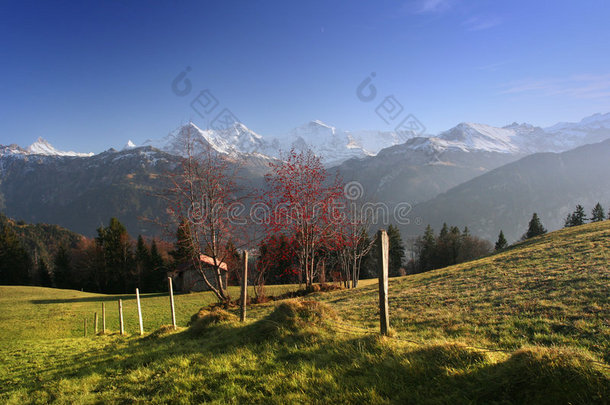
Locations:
(210, 261)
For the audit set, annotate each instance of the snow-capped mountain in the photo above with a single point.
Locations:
(516, 138)
(423, 167)
(471, 136)
(12, 150)
(41, 183)
(336, 145)
(333, 145)
(233, 140)
(594, 128)
(40, 147)
(129, 145)
(43, 147)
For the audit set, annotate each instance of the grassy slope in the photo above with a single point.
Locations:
(46, 313)
(548, 291)
(544, 302)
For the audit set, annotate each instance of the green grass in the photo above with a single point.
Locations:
(551, 291)
(530, 325)
(48, 313)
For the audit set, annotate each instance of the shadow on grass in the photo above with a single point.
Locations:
(363, 369)
(106, 298)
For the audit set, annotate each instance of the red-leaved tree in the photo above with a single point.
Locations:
(276, 263)
(305, 206)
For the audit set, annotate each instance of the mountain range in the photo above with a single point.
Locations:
(81, 190)
(550, 184)
(335, 145)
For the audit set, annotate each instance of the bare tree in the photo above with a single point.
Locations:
(355, 243)
(199, 197)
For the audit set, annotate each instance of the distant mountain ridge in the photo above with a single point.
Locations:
(550, 184)
(336, 146)
(331, 144)
(80, 191)
(40, 147)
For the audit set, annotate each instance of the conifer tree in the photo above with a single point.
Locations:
(598, 214)
(155, 270)
(441, 256)
(426, 246)
(44, 278)
(535, 227)
(578, 216)
(450, 247)
(62, 268)
(15, 262)
(117, 257)
(142, 259)
(455, 244)
(396, 251)
(569, 221)
(501, 243)
(184, 251)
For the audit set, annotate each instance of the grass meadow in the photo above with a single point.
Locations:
(528, 325)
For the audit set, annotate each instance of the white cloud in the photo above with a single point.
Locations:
(578, 86)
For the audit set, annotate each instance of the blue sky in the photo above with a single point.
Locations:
(89, 75)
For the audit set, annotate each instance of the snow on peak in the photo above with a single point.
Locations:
(473, 136)
(514, 138)
(129, 145)
(335, 145)
(595, 121)
(12, 150)
(43, 147)
(331, 144)
(320, 123)
(234, 139)
(520, 138)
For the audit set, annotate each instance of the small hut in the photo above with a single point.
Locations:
(188, 279)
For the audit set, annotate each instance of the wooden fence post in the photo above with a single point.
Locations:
(244, 288)
(121, 317)
(95, 323)
(85, 326)
(383, 257)
(103, 318)
(139, 312)
(171, 301)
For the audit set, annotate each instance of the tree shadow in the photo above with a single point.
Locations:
(361, 369)
(124, 297)
(361, 366)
